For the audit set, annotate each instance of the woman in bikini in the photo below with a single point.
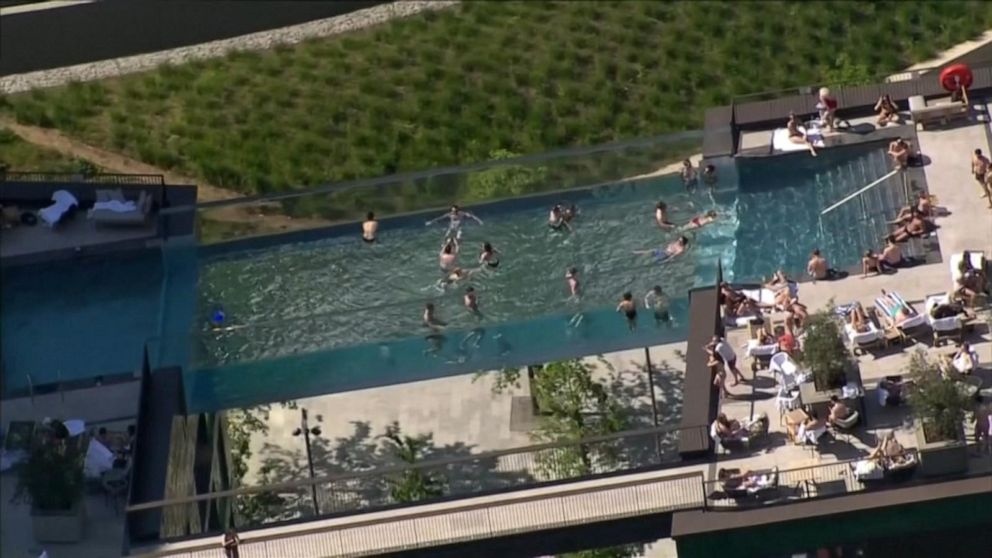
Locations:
(489, 256)
(887, 111)
(796, 135)
(700, 221)
(858, 318)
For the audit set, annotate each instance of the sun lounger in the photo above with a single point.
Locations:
(111, 208)
(862, 341)
(951, 327)
(887, 303)
(62, 203)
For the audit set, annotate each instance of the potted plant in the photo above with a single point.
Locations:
(939, 405)
(52, 477)
(824, 352)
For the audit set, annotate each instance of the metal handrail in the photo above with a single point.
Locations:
(859, 192)
(302, 483)
(70, 177)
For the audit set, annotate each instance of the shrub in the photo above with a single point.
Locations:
(824, 352)
(52, 477)
(938, 401)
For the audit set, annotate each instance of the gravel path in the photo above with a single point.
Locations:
(255, 41)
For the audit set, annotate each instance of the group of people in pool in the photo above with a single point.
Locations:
(560, 219)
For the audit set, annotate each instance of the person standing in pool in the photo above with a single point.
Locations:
(675, 248)
(661, 216)
(456, 216)
(448, 255)
(629, 309)
(572, 279)
(430, 319)
(689, 178)
(656, 301)
(569, 213)
(369, 228)
(489, 256)
(471, 302)
(709, 176)
(556, 219)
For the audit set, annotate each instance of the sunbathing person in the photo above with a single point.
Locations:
(796, 135)
(797, 311)
(975, 277)
(924, 206)
(818, 268)
(858, 318)
(897, 311)
(891, 254)
(735, 303)
(889, 451)
(805, 430)
(899, 151)
(870, 262)
(838, 410)
(779, 280)
(886, 110)
(735, 479)
(727, 429)
(949, 310)
(916, 227)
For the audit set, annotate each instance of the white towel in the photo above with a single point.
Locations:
(116, 206)
(98, 460)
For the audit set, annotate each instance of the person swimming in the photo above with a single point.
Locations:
(369, 228)
(675, 248)
(700, 221)
(569, 213)
(430, 319)
(656, 301)
(455, 275)
(448, 254)
(661, 216)
(572, 280)
(489, 256)
(456, 216)
(556, 219)
(629, 309)
(471, 302)
(709, 176)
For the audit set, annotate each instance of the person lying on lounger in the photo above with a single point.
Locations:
(897, 311)
(916, 227)
(796, 135)
(858, 318)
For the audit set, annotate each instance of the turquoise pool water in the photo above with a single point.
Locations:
(71, 320)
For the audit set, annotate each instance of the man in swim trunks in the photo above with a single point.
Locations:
(628, 309)
(489, 256)
(817, 267)
(556, 219)
(700, 221)
(917, 226)
(689, 178)
(661, 216)
(448, 255)
(656, 301)
(369, 228)
(798, 136)
(430, 319)
(456, 216)
(979, 168)
(891, 254)
(678, 246)
(572, 279)
(924, 206)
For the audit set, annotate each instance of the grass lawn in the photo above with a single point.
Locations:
(483, 80)
(18, 155)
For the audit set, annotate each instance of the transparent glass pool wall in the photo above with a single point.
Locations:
(292, 356)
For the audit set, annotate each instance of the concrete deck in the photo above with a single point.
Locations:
(77, 233)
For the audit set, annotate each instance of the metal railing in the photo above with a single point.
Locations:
(456, 477)
(773, 486)
(96, 178)
(467, 520)
(858, 194)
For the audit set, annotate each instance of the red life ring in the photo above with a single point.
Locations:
(953, 77)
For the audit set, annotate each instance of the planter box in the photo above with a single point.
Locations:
(943, 457)
(59, 526)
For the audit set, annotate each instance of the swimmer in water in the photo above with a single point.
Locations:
(700, 221)
(448, 255)
(661, 216)
(629, 309)
(456, 216)
(689, 178)
(489, 256)
(569, 213)
(572, 279)
(430, 320)
(369, 228)
(556, 219)
(709, 176)
(657, 302)
(455, 275)
(673, 249)
(471, 302)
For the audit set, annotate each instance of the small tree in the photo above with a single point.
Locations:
(413, 484)
(938, 401)
(52, 477)
(824, 351)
